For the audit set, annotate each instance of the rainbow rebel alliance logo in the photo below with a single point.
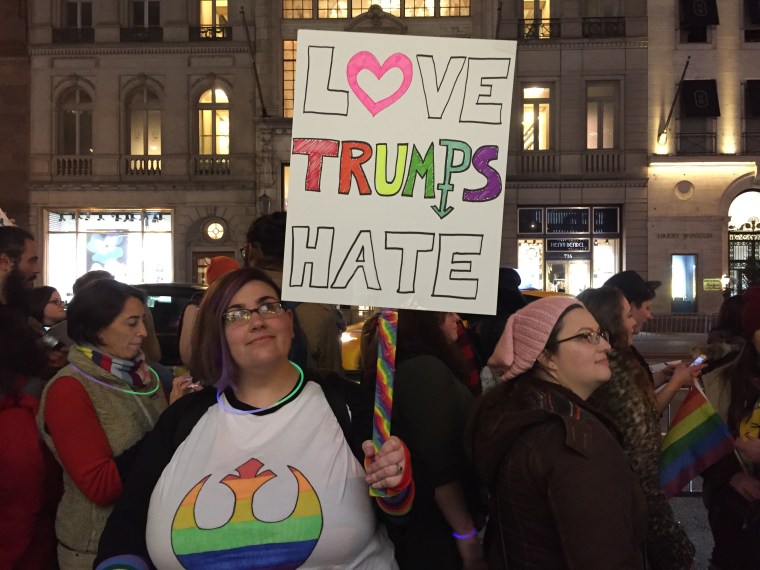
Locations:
(245, 541)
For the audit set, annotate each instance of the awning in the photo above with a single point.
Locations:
(700, 12)
(754, 11)
(699, 98)
(753, 96)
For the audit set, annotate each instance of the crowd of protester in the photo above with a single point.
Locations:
(109, 461)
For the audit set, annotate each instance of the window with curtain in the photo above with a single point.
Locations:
(536, 119)
(75, 123)
(214, 123)
(144, 112)
(601, 114)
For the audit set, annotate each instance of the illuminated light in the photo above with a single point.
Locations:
(662, 140)
(702, 164)
(662, 149)
(528, 117)
(729, 147)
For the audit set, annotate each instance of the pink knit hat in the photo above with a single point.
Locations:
(526, 334)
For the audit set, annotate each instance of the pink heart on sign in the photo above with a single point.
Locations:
(366, 60)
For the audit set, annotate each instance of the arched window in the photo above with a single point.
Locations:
(75, 123)
(744, 240)
(213, 123)
(144, 117)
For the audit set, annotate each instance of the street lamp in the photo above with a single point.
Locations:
(725, 282)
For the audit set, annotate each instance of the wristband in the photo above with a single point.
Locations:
(473, 532)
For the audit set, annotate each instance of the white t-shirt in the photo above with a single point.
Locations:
(311, 507)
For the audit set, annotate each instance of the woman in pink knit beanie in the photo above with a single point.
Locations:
(563, 494)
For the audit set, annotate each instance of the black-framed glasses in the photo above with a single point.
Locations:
(58, 302)
(243, 315)
(592, 337)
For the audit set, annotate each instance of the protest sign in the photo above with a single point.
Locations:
(397, 171)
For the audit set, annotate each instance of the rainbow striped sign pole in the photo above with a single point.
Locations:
(387, 325)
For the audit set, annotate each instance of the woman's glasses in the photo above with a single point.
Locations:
(592, 337)
(56, 302)
(242, 315)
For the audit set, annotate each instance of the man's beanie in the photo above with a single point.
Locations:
(635, 289)
(526, 335)
(751, 312)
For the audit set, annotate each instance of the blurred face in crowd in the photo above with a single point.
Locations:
(641, 314)
(54, 311)
(449, 326)
(123, 337)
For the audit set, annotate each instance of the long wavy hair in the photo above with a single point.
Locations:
(742, 377)
(419, 333)
(606, 305)
(211, 362)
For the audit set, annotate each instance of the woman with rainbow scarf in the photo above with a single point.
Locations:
(95, 411)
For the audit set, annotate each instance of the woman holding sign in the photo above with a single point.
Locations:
(430, 408)
(563, 494)
(262, 468)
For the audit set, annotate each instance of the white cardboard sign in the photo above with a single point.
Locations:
(397, 171)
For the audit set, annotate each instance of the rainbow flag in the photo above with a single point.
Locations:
(696, 439)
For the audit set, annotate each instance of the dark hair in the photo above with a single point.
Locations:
(633, 286)
(730, 315)
(605, 304)
(418, 333)
(739, 378)
(268, 232)
(19, 353)
(96, 306)
(88, 278)
(12, 241)
(210, 361)
(38, 299)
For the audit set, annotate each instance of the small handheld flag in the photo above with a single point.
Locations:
(696, 439)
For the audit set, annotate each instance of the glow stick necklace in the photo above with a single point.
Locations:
(92, 378)
(289, 396)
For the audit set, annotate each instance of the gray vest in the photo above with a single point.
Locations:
(125, 419)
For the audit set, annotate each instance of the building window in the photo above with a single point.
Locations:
(79, 14)
(536, 22)
(752, 117)
(214, 230)
(331, 9)
(214, 22)
(288, 76)
(601, 115)
(536, 118)
(285, 186)
(699, 107)
(75, 123)
(144, 123)
(214, 123)
(146, 13)
(135, 246)
(697, 19)
(751, 21)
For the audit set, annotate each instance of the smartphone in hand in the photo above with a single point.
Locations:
(698, 360)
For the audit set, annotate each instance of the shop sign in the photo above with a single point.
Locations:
(572, 244)
(397, 171)
(712, 284)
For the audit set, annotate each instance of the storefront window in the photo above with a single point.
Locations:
(567, 250)
(684, 283)
(135, 246)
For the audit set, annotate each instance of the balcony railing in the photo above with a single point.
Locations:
(696, 143)
(537, 29)
(751, 142)
(603, 161)
(142, 34)
(210, 33)
(603, 27)
(139, 165)
(73, 35)
(207, 165)
(73, 166)
(541, 162)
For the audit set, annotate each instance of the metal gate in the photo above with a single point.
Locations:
(743, 250)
